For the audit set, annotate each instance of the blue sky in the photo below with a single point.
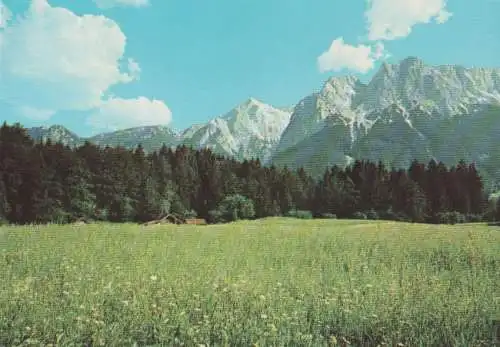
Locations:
(100, 65)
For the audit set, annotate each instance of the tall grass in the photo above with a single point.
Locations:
(272, 282)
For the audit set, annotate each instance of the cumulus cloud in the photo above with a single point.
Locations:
(341, 56)
(53, 59)
(393, 19)
(118, 113)
(133, 68)
(105, 4)
(35, 114)
(5, 15)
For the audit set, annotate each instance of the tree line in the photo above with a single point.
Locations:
(44, 182)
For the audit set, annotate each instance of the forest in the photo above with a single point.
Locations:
(42, 182)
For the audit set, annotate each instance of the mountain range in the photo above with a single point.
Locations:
(407, 111)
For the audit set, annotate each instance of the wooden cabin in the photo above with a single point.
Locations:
(175, 219)
(196, 221)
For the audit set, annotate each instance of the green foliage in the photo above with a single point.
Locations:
(300, 214)
(101, 214)
(45, 182)
(328, 216)
(236, 207)
(177, 206)
(190, 214)
(395, 216)
(359, 215)
(453, 217)
(216, 216)
(474, 218)
(372, 214)
(165, 206)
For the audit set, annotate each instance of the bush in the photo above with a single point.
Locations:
(328, 216)
(190, 214)
(359, 215)
(101, 214)
(299, 214)
(372, 214)
(59, 216)
(394, 216)
(233, 208)
(291, 213)
(215, 216)
(452, 218)
(474, 218)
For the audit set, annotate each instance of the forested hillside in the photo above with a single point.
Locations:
(50, 182)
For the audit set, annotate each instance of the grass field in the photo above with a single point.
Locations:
(271, 282)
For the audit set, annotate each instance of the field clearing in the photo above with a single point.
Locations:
(270, 282)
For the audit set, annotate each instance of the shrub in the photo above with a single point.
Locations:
(453, 217)
(304, 214)
(372, 214)
(291, 213)
(359, 215)
(299, 214)
(328, 216)
(190, 214)
(234, 207)
(215, 216)
(390, 214)
(101, 214)
(59, 216)
(474, 218)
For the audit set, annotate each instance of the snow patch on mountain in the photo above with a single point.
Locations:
(251, 129)
(398, 116)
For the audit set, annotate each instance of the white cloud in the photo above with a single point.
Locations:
(118, 113)
(380, 51)
(340, 56)
(105, 4)
(53, 59)
(133, 68)
(35, 114)
(5, 15)
(392, 19)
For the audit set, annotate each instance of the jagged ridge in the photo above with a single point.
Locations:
(408, 110)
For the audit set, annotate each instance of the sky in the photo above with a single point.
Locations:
(101, 65)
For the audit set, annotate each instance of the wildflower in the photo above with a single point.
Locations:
(153, 278)
(263, 316)
(333, 340)
(306, 337)
(344, 340)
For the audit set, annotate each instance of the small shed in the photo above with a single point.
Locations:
(196, 221)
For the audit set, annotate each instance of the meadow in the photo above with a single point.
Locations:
(270, 282)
